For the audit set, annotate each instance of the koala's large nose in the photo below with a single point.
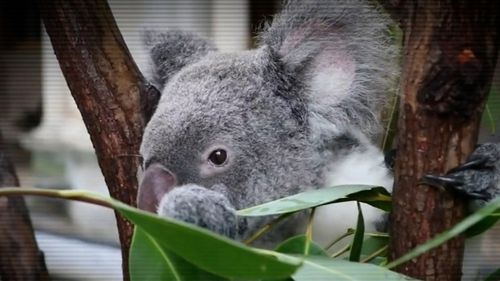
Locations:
(156, 182)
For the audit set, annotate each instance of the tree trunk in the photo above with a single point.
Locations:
(450, 50)
(20, 258)
(108, 89)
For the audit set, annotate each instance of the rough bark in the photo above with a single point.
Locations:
(20, 258)
(109, 91)
(450, 51)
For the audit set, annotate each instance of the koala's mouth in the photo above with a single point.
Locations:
(156, 182)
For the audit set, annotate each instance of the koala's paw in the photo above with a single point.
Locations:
(200, 206)
(477, 178)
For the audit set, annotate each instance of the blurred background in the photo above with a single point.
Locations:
(44, 135)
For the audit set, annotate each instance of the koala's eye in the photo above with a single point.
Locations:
(218, 157)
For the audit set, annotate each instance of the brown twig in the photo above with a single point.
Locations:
(450, 52)
(20, 258)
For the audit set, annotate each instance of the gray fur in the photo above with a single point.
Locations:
(284, 129)
(306, 29)
(181, 203)
(172, 51)
(261, 107)
(482, 179)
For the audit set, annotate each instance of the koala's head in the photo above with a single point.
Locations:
(234, 122)
(254, 126)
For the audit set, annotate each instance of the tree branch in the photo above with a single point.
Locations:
(20, 258)
(109, 91)
(450, 52)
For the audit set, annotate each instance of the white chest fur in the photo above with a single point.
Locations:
(367, 167)
(359, 167)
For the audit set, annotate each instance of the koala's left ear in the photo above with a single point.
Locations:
(342, 52)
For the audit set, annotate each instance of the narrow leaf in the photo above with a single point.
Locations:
(492, 110)
(373, 244)
(375, 249)
(207, 250)
(374, 195)
(483, 225)
(390, 129)
(296, 245)
(357, 241)
(149, 261)
(317, 268)
(200, 247)
(449, 234)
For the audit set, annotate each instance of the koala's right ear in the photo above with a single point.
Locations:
(170, 51)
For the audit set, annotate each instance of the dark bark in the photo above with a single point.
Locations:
(450, 50)
(108, 89)
(20, 258)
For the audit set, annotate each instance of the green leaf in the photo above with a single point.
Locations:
(390, 125)
(149, 261)
(317, 268)
(374, 195)
(357, 241)
(296, 245)
(461, 227)
(209, 251)
(494, 276)
(483, 225)
(375, 250)
(492, 110)
(373, 244)
(200, 247)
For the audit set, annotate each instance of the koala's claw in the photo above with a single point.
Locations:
(452, 183)
(478, 178)
(477, 163)
(441, 181)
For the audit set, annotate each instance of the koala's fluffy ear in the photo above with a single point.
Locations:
(343, 53)
(171, 51)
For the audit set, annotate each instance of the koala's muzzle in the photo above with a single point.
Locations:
(156, 182)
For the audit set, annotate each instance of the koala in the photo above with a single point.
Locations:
(299, 112)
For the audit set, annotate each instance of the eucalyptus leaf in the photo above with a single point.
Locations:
(318, 268)
(390, 121)
(483, 224)
(374, 195)
(375, 250)
(149, 261)
(492, 110)
(357, 241)
(204, 249)
(494, 276)
(296, 245)
(458, 229)
(209, 251)
(373, 244)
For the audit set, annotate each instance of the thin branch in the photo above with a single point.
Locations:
(264, 229)
(20, 257)
(74, 195)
